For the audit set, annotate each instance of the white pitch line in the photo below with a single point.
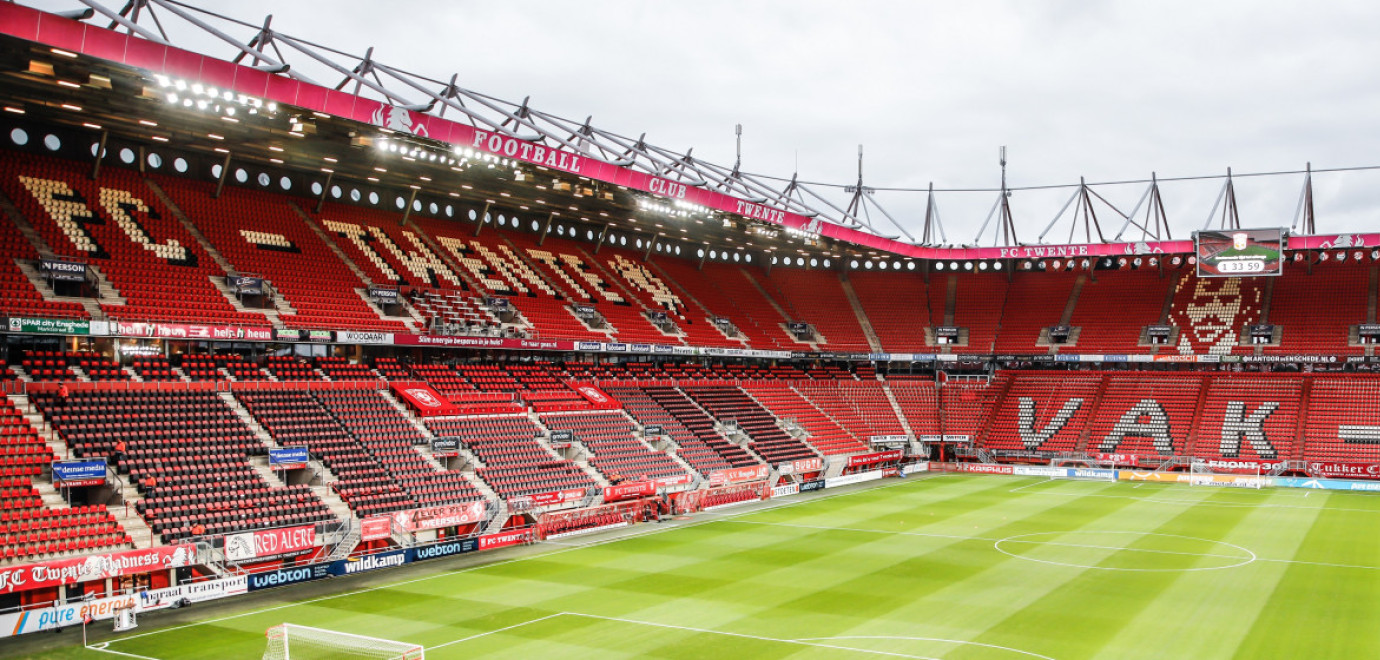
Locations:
(797, 642)
(102, 648)
(496, 631)
(929, 639)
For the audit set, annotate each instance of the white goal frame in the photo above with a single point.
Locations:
(281, 640)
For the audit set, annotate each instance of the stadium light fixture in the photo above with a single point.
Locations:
(1176, 261)
(996, 265)
(1056, 264)
(1341, 256)
(1322, 256)
(982, 266)
(1154, 261)
(1121, 263)
(1375, 255)
(953, 265)
(938, 265)
(1136, 262)
(967, 265)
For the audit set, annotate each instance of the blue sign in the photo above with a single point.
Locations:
(1326, 484)
(288, 456)
(285, 576)
(79, 471)
(370, 562)
(447, 549)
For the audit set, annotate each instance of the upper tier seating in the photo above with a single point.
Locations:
(817, 297)
(388, 254)
(727, 403)
(615, 450)
(1034, 301)
(18, 297)
(118, 225)
(896, 305)
(978, 307)
(728, 293)
(1210, 312)
(861, 407)
(259, 232)
(1313, 329)
(1137, 296)
(515, 464)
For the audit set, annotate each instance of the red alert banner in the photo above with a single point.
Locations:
(735, 475)
(802, 466)
(374, 528)
(426, 401)
(269, 543)
(95, 567)
(439, 516)
(878, 457)
(629, 491)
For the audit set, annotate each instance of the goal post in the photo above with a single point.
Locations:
(290, 641)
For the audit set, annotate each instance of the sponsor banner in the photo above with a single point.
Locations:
(385, 296)
(193, 592)
(736, 475)
(286, 576)
(684, 350)
(50, 326)
(835, 482)
(1038, 471)
(562, 435)
(356, 337)
(629, 491)
(651, 429)
(1092, 473)
(889, 440)
(1334, 469)
(269, 543)
(369, 562)
(960, 439)
(79, 473)
(1195, 479)
(436, 517)
(288, 458)
(1233, 466)
(61, 616)
(914, 468)
(374, 528)
(425, 400)
(289, 335)
(983, 468)
(445, 446)
(663, 348)
(807, 486)
(450, 548)
(557, 497)
(878, 457)
(320, 336)
(802, 466)
(184, 331)
(783, 491)
(643, 348)
(504, 539)
(65, 271)
(616, 348)
(1326, 484)
(1129, 460)
(95, 567)
(453, 341)
(589, 346)
(677, 480)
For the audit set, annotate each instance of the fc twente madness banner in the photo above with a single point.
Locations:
(426, 401)
(877, 457)
(95, 567)
(437, 517)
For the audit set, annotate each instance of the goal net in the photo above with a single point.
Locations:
(306, 643)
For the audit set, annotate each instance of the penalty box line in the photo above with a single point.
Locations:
(692, 629)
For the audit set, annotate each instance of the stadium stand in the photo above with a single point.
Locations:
(768, 440)
(516, 464)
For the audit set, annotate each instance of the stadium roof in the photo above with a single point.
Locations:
(126, 81)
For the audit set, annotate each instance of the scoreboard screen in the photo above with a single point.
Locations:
(1240, 252)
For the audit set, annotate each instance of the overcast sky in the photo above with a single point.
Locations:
(1109, 91)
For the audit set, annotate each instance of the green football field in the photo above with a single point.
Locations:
(942, 567)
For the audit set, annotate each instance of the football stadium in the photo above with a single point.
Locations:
(308, 356)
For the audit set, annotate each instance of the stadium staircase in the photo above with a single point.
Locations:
(720, 336)
(873, 342)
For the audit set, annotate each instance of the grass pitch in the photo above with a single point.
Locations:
(943, 567)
